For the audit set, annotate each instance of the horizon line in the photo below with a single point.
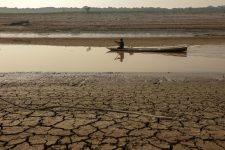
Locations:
(113, 7)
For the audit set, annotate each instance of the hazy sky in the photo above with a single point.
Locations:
(112, 3)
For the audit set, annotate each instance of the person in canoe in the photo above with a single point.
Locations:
(120, 44)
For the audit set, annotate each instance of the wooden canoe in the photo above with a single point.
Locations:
(166, 49)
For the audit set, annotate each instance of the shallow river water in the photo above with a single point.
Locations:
(27, 58)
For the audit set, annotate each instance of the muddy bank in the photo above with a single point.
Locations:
(212, 23)
(165, 28)
(156, 41)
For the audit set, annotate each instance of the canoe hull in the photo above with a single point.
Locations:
(153, 49)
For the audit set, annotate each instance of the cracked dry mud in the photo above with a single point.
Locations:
(108, 111)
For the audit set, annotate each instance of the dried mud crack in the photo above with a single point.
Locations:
(107, 111)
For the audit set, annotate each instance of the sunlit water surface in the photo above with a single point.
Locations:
(96, 35)
(27, 58)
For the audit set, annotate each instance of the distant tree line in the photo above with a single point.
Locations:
(209, 9)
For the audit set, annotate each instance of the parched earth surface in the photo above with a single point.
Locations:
(111, 111)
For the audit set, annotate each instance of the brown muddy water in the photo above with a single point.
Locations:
(39, 58)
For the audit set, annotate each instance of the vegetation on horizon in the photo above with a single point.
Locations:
(113, 9)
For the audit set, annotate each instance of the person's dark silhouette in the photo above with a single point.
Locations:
(120, 43)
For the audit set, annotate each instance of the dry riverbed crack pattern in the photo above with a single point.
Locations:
(111, 111)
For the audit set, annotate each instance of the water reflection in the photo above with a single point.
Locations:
(120, 55)
(88, 48)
